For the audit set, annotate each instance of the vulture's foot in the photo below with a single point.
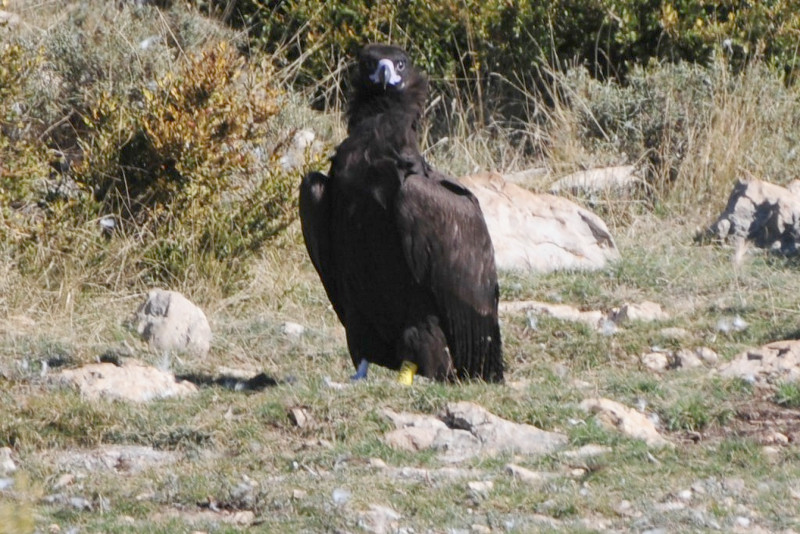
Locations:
(407, 371)
(361, 372)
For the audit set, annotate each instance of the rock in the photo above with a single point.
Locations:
(764, 213)
(465, 430)
(625, 420)
(114, 458)
(498, 435)
(773, 363)
(299, 416)
(563, 312)
(657, 361)
(534, 478)
(379, 520)
(587, 451)
(479, 489)
(169, 322)
(539, 233)
(7, 465)
(292, 330)
(602, 180)
(341, 496)
(644, 311)
(708, 356)
(624, 508)
(687, 359)
(131, 381)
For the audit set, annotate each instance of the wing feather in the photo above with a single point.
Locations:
(448, 249)
(315, 221)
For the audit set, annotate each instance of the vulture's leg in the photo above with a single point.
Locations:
(361, 372)
(407, 371)
(365, 344)
(423, 348)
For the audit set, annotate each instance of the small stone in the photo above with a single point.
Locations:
(53, 528)
(587, 451)
(646, 311)
(6, 483)
(577, 472)
(480, 489)
(7, 465)
(299, 494)
(624, 419)
(528, 476)
(379, 520)
(242, 517)
(742, 522)
(377, 463)
(771, 451)
(480, 529)
(734, 485)
(685, 495)
(657, 361)
(708, 356)
(687, 359)
(299, 417)
(292, 330)
(341, 496)
(624, 508)
(776, 437)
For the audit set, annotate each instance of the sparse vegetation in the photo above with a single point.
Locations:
(173, 125)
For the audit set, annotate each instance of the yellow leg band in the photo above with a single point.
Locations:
(407, 371)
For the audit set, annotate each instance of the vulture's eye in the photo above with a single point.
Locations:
(401, 65)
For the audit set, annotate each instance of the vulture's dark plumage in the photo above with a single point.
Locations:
(402, 250)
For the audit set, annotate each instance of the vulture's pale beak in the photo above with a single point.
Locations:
(385, 74)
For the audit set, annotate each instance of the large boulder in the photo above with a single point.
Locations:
(170, 323)
(539, 232)
(764, 213)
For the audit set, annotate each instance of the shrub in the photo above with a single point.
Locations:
(478, 38)
(173, 151)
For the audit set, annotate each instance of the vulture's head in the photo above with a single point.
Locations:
(384, 68)
(386, 80)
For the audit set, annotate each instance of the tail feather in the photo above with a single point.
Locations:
(476, 346)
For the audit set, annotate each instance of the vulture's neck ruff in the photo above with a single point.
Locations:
(387, 89)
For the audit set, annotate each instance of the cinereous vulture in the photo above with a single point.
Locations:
(402, 250)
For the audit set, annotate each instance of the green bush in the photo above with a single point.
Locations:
(128, 162)
(473, 38)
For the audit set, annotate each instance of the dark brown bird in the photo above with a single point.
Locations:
(402, 250)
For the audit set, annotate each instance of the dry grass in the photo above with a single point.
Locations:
(240, 451)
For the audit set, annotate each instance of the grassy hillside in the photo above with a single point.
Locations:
(175, 127)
